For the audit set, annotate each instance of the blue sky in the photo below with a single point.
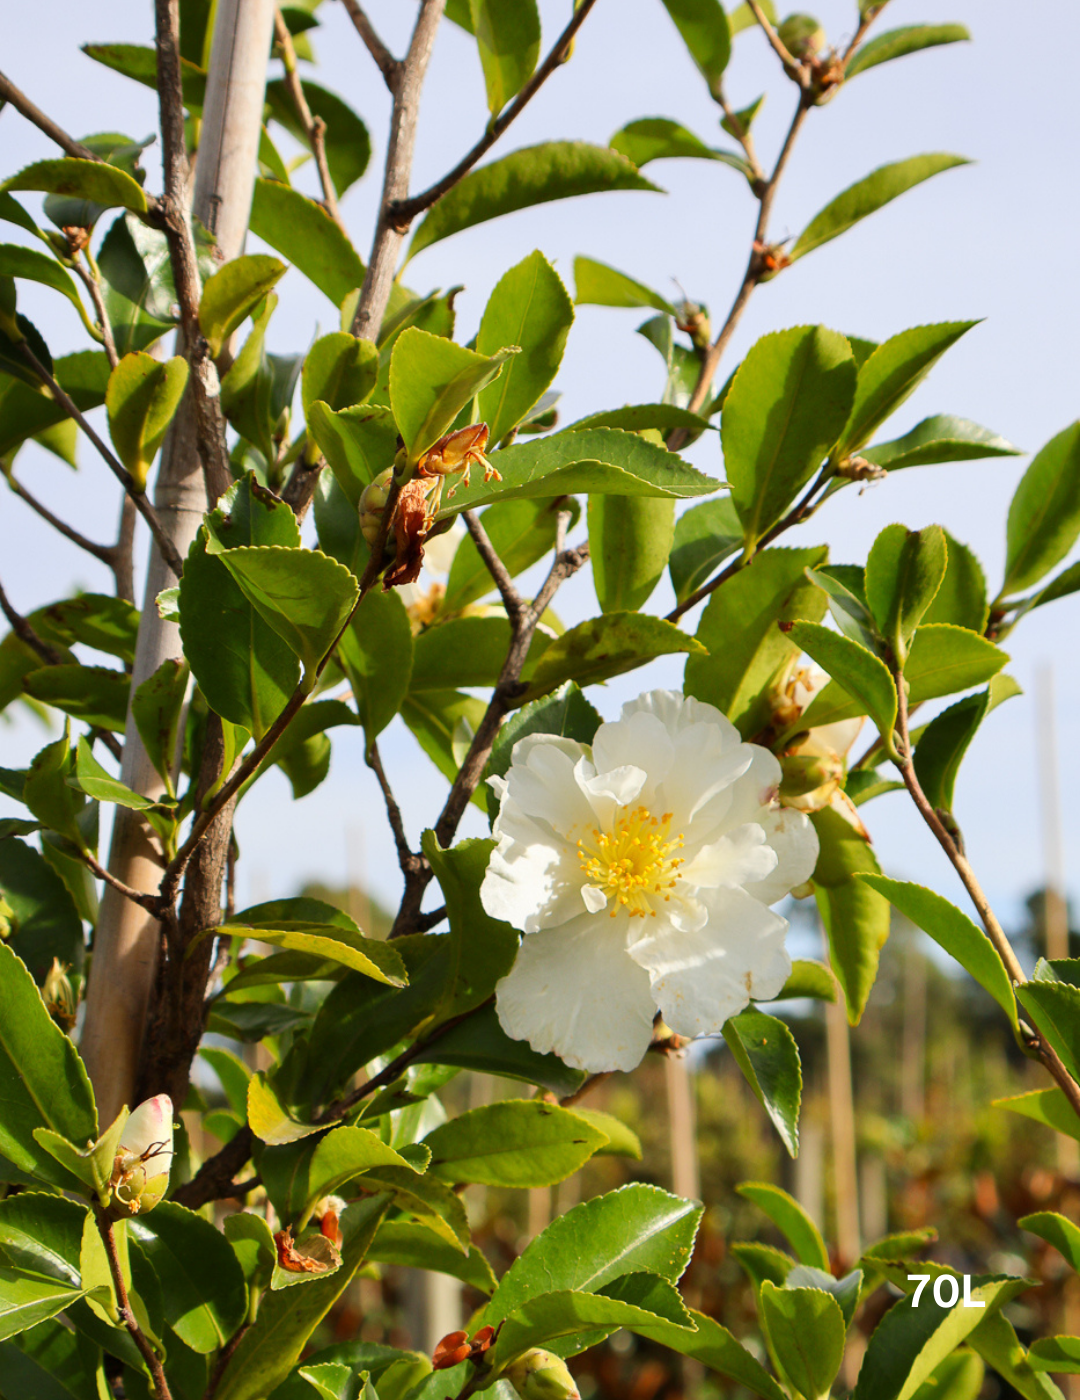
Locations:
(990, 240)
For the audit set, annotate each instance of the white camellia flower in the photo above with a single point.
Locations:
(641, 872)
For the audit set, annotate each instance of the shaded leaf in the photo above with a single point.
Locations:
(302, 232)
(807, 1330)
(519, 1142)
(856, 916)
(898, 43)
(142, 399)
(705, 536)
(508, 37)
(704, 28)
(233, 292)
(1044, 516)
(91, 180)
(790, 1218)
(769, 1058)
(861, 673)
(942, 438)
(431, 381)
(606, 646)
(347, 143)
(600, 285)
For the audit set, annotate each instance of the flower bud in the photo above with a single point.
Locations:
(801, 35)
(59, 996)
(144, 1157)
(372, 504)
(538, 1375)
(9, 924)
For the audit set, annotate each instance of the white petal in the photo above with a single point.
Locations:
(640, 740)
(701, 979)
(540, 780)
(706, 763)
(575, 991)
(677, 712)
(606, 792)
(740, 858)
(593, 898)
(792, 836)
(534, 877)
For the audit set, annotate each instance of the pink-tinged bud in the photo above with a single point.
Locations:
(144, 1156)
(538, 1375)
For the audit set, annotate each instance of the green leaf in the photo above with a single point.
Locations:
(303, 233)
(268, 1119)
(531, 176)
(942, 438)
(868, 195)
(346, 140)
(140, 295)
(48, 793)
(1068, 581)
(955, 932)
(636, 1228)
(630, 540)
(995, 1340)
(157, 708)
(1056, 1230)
(358, 443)
(1055, 1009)
(141, 400)
(790, 1218)
(371, 956)
(1044, 516)
(599, 285)
(508, 37)
(376, 653)
(706, 34)
(943, 660)
(898, 43)
(140, 62)
(588, 460)
(739, 628)
(715, 1347)
(1047, 1106)
(904, 571)
(13, 213)
(961, 599)
(660, 138)
(98, 783)
(519, 1142)
(845, 1290)
(95, 694)
(462, 651)
(96, 619)
(604, 647)
(482, 949)
(46, 923)
(84, 179)
(413, 1246)
(202, 1284)
(233, 292)
(444, 722)
(861, 673)
(892, 374)
(1058, 1354)
(946, 739)
(565, 712)
(521, 532)
(339, 370)
(639, 417)
(806, 1329)
(43, 1082)
(431, 381)
(855, 916)
(481, 1044)
(305, 596)
(299, 1174)
(16, 260)
(705, 536)
(421, 1196)
(788, 401)
(769, 1058)
(287, 1318)
(26, 1300)
(809, 979)
(42, 1234)
(621, 1141)
(530, 308)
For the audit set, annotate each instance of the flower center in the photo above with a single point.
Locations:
(633, 863)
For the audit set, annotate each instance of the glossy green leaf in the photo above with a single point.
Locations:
(358, 443)
(961, 599)
(99, 784)
(898, 43)
(268, 1118)
(636, 1228)
(705, 536)
(1055, 1009)
(444, 722)
(995, 1340)
(565, 712)
(141, 400)
(769, 1058)
(954, 931)
(45, 923)
(413, 1246)
(508, 37)
(1047, 1106)
(521, 532)
(139, 61)
(746, 646)
(92, 180)
(639, 417)
(519, 1142)
(630, 541)
(809, 979)
(788, 401)
(462, 651)
(588, 460)
(1068, 581)
(599, 285)
(286, 1319)
(424, 1198)
(12, 212)
(942, 438)
(904, 571)
(376, 653)
(202, 1284)
(943, 660)
(303, 233)
(621, 1140)
(861, 673)
(1058, 1354)
(42, 1234)
(16, 260)
(1044, 516)
(523, 179)
(806, 1329)
(371, 956)
(47, 792)
(157, 708)
(43, 1082)
(530, 308)
(604, 647)
(140, 295)
(480, 1043)
(297, 1175)
(1057, 1230)
(95, 694)
(233, 292)
(790, 1218)
(868, 195)
(431, 381)
(704, 28)
(946, 739)
(247, 389)
(346, 139)
(660, 138)
(26, 1300)
(856, 917)
(339, 370)
(25, 412)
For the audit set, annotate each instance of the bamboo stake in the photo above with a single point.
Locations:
(842, 1118)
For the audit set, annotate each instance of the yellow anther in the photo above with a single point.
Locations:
(633, 862)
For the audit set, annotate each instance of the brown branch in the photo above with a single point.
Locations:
(393, 811)
(224, 1357)
(146, 1351)
(26, 634)
(142, 505)
(512, 599)
(103, 552)
(18, 99)
(405, 210)
(93, 286)
(593, 1082)
(388, 65)
(792, 67)
(149, 902)
(389, 232)
(299, 490)
(314, 126)
(994, 931)
(741, 134)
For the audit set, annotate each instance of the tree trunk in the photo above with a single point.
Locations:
(127, 939)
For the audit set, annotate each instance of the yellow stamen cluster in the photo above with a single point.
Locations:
(633, 862)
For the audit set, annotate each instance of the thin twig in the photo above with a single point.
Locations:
(93, 286)
(387, 63)
(393, 811)
(405, 210)
(593, 1082)
(103, 552)
(742, 135)
(146, 1351)
(142, 505)
(994, 931)
(224, 1357)
(26, 634)
(314, 126)
(512, 599)
(791, 64)
(864, 24)
(19, 100)
(149, 902)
